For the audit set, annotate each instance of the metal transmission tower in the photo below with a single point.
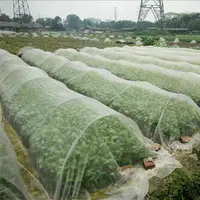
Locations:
(20, 9)
(157, 8)
(115, 13)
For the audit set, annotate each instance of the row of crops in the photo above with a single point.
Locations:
(117, 103)
(73, 141)
(157, 112)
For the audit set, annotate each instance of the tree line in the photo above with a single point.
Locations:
(172, 20)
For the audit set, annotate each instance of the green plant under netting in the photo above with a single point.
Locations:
(162, 116)
(148, 41)
(168, 56)
(117, 53)
(170, 80)
(73, 141)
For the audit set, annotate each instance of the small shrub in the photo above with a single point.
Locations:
(149, 41)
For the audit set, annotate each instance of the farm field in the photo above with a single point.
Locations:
(49, 44)
(85, 116)
(13, 44)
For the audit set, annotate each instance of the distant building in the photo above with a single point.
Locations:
(35, 25)
(9, 25)
(17, 26)
(108, 20)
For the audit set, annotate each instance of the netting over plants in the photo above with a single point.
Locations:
(193, 59)
(174, 81)
(179, 51)
(117, 53)
(11, 184)
(183, 50)
(162, 116)
(73, 141)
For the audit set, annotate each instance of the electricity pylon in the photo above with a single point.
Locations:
(20, 9)
(157, 8)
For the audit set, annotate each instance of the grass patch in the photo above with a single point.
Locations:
(13, 45)
(182, 184)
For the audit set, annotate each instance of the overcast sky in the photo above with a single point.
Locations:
(97, 9)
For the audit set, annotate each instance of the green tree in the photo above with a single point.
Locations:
(42, 21)
(145, 24)
(5, 18)
(49, 22)
(27, 18)
(73, 21)
(57, 24)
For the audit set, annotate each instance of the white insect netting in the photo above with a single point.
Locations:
(183, 50)
(107, 40)
(117, 53)
(161, 115)
(174, 81)
(73, 141)
(194, 59)
(179, 51)
(176, 40)
(12, 186)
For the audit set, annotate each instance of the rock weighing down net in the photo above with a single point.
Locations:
(73, 141)
(118, 53)
(173, 81)
(161, 115)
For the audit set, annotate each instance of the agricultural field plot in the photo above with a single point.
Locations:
(90, 132)
(143, 102)
(49, 44)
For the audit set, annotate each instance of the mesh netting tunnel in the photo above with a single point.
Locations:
(161, 115)
(117, 53)
(12, 186)
(73, 141)
(187, 83)
(175, 56)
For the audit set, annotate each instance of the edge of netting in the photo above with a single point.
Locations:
(12, 154)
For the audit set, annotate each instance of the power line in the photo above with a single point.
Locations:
(115, 13)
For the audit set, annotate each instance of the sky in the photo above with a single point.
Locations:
(126, 10)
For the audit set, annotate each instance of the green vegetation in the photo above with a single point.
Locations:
(11, 184)
(171, 187)
(27, 172)
(189, 21)
(73, 141)
(134, 56)
(182, 184)
(148, 41)
(142, 102)
(177, 82)
(13, 45)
